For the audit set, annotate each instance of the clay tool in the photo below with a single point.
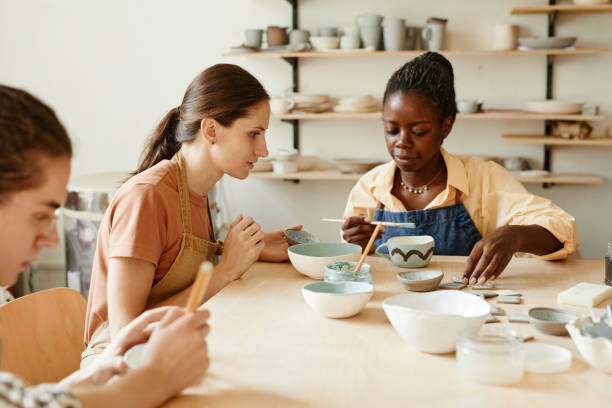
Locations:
(497, 311)
(518, 318)
(453, 285)
(383, 223)
(491, 319)
(199, 286)
(367, 248)
(509, 299)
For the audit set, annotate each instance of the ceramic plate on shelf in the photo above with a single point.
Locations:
(547, 42)
(554, 106)
(533, 173)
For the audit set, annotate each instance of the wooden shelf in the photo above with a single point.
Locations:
(557, 141)
(320, 54)
(336, 175)
(306, 175)
(487, 115)
(563, 179)
(563, 8)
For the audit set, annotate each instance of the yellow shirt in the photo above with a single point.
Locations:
(491, 195)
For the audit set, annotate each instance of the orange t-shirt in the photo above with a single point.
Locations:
(143, 221)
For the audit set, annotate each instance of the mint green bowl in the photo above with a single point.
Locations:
(311, 259)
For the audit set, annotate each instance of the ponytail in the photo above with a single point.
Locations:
(163, 143)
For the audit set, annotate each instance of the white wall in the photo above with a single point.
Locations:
(112, 68)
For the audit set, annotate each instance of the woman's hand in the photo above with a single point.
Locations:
(491, 255)
(358, 230)
(110, 362)
(242, 246)
(276, 245)
(176, 355)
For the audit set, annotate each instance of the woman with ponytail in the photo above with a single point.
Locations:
(158, 230)
(470, 207)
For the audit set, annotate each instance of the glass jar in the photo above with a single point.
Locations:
(609, 265)
(345, 272)
(490, 355)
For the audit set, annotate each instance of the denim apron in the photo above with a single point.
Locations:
(451, 227)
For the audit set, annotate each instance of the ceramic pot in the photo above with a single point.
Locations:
(253, 37)
(277, 36)
(394, 34)
(433, 34)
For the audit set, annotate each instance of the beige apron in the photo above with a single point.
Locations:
(193, 252)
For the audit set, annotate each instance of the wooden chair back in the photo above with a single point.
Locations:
(42, 335)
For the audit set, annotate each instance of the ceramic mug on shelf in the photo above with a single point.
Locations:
(351, 30)
(349, 42)
(254, 37)
(298, 37)
(433, 34)
(368, 19)
(505, 37)
(278, 106)
(371, 36)
(277, 36)
(408, 251)
(413, 35)
(394, 34)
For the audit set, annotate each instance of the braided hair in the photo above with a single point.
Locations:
(430, 75)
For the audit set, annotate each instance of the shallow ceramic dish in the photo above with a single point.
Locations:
(546, 358)
(432, 322)
(551, 321)
(554, 106)
(421, 281)
(296, 237)
(311, 259)
(596, 351)
(337, 299)
(591, 2)
(547, 42)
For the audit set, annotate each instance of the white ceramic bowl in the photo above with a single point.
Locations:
(337, 299)
(432, 322)
(325, 43)
(284, 167)
(311, 259)
(596, 351)
(355, 165)
(590, 2)
(553, 106)
(547, 42)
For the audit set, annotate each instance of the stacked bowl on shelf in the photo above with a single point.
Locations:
(357, 104)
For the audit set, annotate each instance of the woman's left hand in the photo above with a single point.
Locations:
(276, 245)
(491, 255)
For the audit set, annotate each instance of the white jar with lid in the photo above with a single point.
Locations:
(490, 355)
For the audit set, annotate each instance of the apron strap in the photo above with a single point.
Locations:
(183, 190)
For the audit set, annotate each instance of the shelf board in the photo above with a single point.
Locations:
(319, 54)
(557, 141)
(336, 175)
(563, 8)
(306, 175)
(563, 179)
(489, 114)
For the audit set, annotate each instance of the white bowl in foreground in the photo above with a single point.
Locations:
(311, 259)
(596, 351)
(432, 322)
(337, 299)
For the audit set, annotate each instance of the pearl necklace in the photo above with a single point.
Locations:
(423, 188)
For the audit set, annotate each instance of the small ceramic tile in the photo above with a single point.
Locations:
(483, 293)
(518, 318)
(484, 286)
(458, 279)
(509, 299)
(497, 311)
(506, 292)
(491, 319)
(453, 285)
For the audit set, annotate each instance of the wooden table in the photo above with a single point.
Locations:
(269, 349)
